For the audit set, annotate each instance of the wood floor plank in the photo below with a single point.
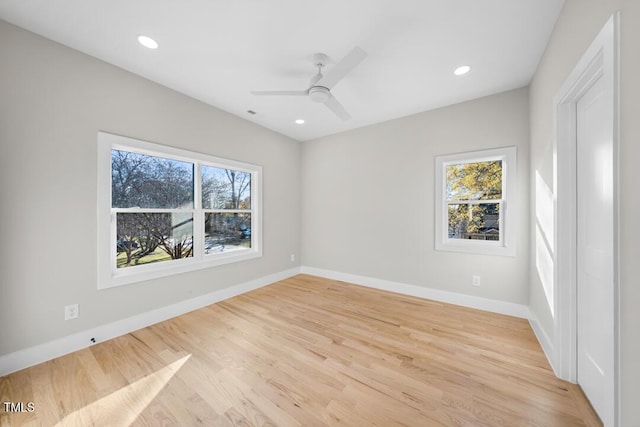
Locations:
(307, 351)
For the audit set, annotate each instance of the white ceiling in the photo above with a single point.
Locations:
(218, 51)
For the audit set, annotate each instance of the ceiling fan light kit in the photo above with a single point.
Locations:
(320, 85)
(319, 94)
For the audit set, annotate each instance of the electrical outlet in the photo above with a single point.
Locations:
(70, 311)
(475, 280)
(293, 258)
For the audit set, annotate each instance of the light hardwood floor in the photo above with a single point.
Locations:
(307, 352)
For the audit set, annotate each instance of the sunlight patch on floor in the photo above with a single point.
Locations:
(123, 406)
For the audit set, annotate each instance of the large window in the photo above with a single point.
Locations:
(164, 211)
(475, 206)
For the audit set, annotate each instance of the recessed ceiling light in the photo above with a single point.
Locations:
(300, 121)
(462, 70)
(148, 42)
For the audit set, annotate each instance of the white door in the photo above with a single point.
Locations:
(595, 250)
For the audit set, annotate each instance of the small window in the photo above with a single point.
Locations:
(475, 202)
(164, 211)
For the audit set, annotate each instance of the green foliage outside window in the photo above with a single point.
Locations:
(474, 192)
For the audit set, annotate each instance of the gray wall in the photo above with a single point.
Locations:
(368, 198)
(53, 101)
(579, 23)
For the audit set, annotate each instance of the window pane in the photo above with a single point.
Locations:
(474, 222)
(153, 237)
(474, 181)
(225, 188)
(138, 180)
(227, 231)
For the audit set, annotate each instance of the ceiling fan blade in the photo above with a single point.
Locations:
(342, 68)
(279, 92)
(337, 108)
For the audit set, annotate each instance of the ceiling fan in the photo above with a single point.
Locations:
(320, 85)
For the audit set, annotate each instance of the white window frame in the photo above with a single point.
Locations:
(506, 246)
(108, 274)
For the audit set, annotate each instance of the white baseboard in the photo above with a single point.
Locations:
(543, 339)
(21, 359)
(495, 306)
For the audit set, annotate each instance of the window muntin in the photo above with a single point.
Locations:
(472, 194)
(163, 211)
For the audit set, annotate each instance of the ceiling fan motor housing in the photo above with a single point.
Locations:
(319, 93)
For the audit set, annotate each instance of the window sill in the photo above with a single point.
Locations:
(155, 271)
(477, 247)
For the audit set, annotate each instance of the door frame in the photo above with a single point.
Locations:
(599, 61)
